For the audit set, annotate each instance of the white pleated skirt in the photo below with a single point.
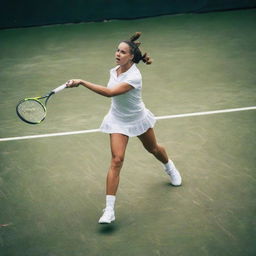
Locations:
(111, 124)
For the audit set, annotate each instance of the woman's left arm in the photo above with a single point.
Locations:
(102, 90)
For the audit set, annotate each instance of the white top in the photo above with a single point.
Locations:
(128, 106)
(127, 114)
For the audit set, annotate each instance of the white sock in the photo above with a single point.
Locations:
(169, 165)
(110, 201)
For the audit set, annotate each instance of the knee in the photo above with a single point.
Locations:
(117, 161)
(153, 150)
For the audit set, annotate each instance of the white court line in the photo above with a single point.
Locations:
(158, 118)
(207, 113)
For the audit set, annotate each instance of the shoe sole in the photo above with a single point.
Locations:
(105, 222)
(179, 185)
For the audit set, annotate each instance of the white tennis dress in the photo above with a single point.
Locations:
(128, 114)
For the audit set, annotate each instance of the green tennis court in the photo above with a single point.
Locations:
(52, 189)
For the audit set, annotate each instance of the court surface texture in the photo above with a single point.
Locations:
(52, 189)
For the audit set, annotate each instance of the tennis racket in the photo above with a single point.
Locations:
(33, 110)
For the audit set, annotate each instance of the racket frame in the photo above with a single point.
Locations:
(47, 96)
(37, 99)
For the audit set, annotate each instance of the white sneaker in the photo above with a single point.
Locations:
(174, 175)
(108, 216)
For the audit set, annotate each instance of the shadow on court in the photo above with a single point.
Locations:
(108, 229)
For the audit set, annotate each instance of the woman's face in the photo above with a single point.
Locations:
(123, 54)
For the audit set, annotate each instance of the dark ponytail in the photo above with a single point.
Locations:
(134, 47)
(146, 59)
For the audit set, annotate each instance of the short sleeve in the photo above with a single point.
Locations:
(134, 82)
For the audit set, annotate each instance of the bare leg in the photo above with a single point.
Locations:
(118, 143)
(148, 140)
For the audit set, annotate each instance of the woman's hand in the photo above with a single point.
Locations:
(73, 83)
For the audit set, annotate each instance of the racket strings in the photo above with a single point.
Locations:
(31, 111)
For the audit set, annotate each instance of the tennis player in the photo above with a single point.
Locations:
(127, 117)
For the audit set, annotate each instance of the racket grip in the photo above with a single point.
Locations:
(60, 88)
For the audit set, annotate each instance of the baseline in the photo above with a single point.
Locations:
(158, 118)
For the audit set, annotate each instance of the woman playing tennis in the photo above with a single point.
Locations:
(127, 117)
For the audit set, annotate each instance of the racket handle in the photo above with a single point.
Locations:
(60, 88)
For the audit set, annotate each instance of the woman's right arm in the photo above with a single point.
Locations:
(99, 89)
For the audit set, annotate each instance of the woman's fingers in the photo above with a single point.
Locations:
(69, 83)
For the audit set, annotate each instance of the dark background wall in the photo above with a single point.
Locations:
(18, 13)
